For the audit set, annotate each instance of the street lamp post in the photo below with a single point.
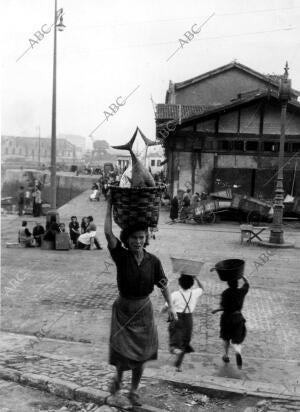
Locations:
(60, 27)
(276, 233)
(39, 151)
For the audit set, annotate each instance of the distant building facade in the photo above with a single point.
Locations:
(222, 128)
(154, 161)
(33, 149)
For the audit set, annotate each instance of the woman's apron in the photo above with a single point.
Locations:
(133, 335)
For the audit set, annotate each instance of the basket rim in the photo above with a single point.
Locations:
(124, 189)
(188, 260)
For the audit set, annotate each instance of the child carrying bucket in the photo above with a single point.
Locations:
(184, 302)
(232, 322)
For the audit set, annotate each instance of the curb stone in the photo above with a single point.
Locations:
(219, 387)
(65, 389)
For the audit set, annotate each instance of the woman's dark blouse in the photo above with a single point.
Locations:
(135, 281)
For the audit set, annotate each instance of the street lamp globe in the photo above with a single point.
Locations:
(60, 26)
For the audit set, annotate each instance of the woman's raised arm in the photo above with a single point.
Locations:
(110, 237)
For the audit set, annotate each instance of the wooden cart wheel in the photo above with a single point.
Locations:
(198, 219)
(209, 217)
(254, 218)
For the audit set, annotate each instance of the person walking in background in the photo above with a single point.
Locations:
(37, 202)
(174, 208)
(232, 324)
(195, 200)
(74, 230)
(27, 199)
(21, 200)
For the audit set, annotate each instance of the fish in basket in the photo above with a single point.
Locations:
(186, 266)
(139, 203)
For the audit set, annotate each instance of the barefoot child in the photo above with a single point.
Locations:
(232, 324)
(184, 302)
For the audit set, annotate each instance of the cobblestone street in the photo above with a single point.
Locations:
(63, 291)
(68, 296)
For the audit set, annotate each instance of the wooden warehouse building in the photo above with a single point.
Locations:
(222, 128)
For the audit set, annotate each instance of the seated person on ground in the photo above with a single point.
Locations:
(51, 232)
(74, 229)
(38, 232)
(62, 227)
(86, 240)
(25, 238)
(92, 227)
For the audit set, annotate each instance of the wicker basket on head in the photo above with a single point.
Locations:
(186, 266)
(132, 206)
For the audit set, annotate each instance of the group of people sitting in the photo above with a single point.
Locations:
(83, 237)
(28, 239)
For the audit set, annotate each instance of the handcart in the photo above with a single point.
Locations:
(207, 210)
(256, 210)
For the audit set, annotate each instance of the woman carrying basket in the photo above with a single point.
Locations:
(133, 336)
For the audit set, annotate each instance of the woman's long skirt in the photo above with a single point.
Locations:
(133, 335)
(180, 333)
(233, 327)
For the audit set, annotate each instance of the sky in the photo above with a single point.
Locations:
(119, 51)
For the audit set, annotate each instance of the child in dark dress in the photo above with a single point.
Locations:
(232, 323)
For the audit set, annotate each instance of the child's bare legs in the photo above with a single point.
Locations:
(238, 349)
(226, 345)
(179, 361)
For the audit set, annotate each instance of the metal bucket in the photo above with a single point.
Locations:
(230, 269)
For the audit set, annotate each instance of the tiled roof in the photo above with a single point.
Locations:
(172, 111)
(209, 110)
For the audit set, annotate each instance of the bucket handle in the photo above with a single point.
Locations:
(213, 269)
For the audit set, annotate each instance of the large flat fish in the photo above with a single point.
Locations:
(141, 177)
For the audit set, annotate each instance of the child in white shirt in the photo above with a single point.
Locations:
(184, 302)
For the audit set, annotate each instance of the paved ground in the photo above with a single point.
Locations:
(16, 398)
(68, 295)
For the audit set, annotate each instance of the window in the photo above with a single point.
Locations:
(296, 147)
(251, 146)
(158, 162)
(152, 162)
(271, 146)
(238, 145)
(224, 145)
